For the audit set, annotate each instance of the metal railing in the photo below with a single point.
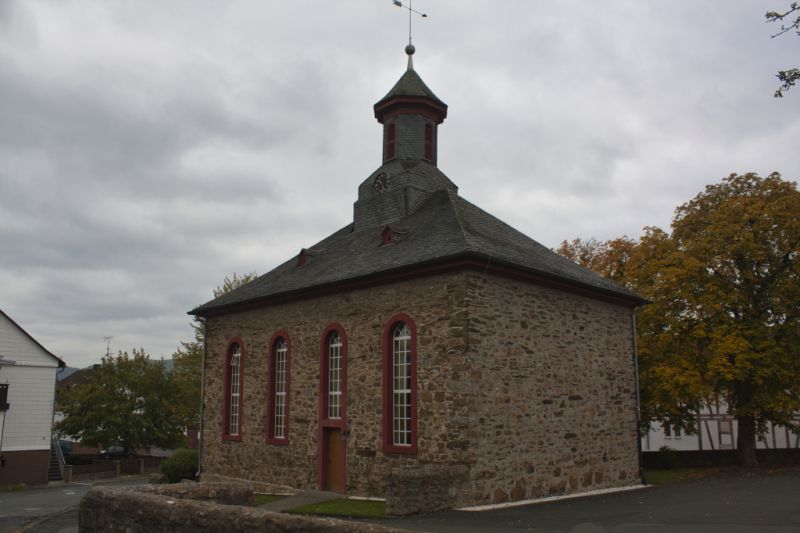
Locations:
(59, 454)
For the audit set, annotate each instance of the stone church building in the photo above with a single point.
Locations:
(426, 349)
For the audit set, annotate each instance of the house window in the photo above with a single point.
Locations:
(234, 365)
(672, 431)
(334, 376)
(278, 405)
(400, 395)
(429, 142)
(389, 144)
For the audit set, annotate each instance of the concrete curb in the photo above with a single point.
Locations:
(549, 499)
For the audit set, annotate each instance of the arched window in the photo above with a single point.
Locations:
(278, 394)
(334, 376)
(234, 381)
(400, 386)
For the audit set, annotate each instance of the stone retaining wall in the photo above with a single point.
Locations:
(192, 507)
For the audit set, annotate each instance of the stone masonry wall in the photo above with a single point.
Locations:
(196, 508)
(437, 305)
(553, 392)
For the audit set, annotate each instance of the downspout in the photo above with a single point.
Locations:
(638, 397)
(202, 401)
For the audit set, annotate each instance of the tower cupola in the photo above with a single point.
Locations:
(410, 114)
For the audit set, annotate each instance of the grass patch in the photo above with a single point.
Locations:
(345, 507)
(672, 475)
(261, 499)
(12, 488)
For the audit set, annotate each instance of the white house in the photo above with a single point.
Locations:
(27, 394)
(717, 430)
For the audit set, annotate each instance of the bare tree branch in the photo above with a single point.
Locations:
(787, 77)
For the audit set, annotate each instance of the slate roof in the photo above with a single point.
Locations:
(410, 84)
(445, 227)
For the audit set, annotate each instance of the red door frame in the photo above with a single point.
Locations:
(324, 421)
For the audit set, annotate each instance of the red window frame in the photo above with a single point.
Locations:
(269, 423)
(226, 413)
(391, 138)
(388, 411)
(323, 378)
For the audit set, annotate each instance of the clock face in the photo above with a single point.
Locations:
(380, 183)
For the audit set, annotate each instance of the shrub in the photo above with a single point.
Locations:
(666, 457)
(182, 464)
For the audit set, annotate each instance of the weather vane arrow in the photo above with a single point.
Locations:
(411, 12)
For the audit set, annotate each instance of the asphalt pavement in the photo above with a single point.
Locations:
(730, 501)
(50, 508)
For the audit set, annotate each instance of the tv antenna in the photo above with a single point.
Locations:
(411, 13)
(108, 345)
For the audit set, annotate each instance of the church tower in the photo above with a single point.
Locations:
(411, 115)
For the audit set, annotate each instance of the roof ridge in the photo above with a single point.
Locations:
(458, 217)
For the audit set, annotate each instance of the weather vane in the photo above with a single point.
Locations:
(411, 11)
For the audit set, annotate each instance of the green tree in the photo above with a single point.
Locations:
(128, 401)
(188, 359)
(725, 315)
(789, 21)
(187, 376)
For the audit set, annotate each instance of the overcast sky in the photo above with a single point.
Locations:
(148, 149)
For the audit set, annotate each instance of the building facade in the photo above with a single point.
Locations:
(27, 394)
(716, 429)
(425, 338)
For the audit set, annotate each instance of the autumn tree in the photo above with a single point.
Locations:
(607, 258)
(789, 20)
(724, 321)
(738, 297)
(128, 401)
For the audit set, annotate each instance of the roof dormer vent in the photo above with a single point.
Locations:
(302, 257)
(387, 236)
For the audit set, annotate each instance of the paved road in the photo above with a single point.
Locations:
(49, 509)
(733, 502)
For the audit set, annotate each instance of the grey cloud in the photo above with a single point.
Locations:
(146, 153)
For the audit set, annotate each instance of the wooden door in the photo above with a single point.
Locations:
(333, 460)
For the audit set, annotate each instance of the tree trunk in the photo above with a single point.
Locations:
(746, 441)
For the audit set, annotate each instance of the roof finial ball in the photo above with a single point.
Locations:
(410, 51)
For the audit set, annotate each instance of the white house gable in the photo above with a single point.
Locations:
(17, 345)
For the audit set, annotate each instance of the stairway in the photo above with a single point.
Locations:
(54, 470)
